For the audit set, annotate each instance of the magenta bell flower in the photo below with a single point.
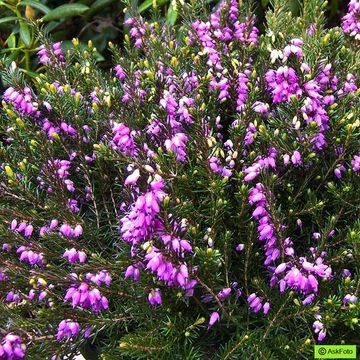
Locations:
(280, 269)
(296, 158)
(133, 271)
(356, 163)
(254, 302)
(240, 247)
(133, 178)
(78, 231)
(123, 139)
(13, 225)
(74, 256)
(67, 329)
(120, 73)
(28, 230)
(224, 293)
(266, 308)
(348, 298)
(100, 277)
(214, 317)
(12, 348)
(86, 297)
(155, 297)
(177, 145)
(350, 22)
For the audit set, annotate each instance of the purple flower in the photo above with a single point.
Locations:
(260, 107)
(240, 247)
(120, 73)
(356, 163)
(28, 230)
(177, 145)
(12, 348)
(214, 317)
(140, 223)
(133, 271)
(250, 132)
(123, 139)
(66, 230)
(292, 49)
(86, 298)
(346, 273)
(349, 298)
(281, 268)
(309, 299)
(13, 225)
(283, 84)
(350, 22)
(6, 247)
(155, 297)
(22, 100)
(254, 302)
(266, 308)
(102, 276)
(31, 257)
(296, 158)
(78, 231)
(54, 51)
(67, 329)
(242, 92)
(305, 67)
(322, 335)
(74, 256)
(224, 293)
(133, 178)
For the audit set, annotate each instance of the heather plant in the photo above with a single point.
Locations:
(200, 201)
(100, 21)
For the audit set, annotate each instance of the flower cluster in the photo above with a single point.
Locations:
(67, 329)
(12, 348)
(44, 56)
(256, 304)
(350, 22)
(73, 256)
(86, 297)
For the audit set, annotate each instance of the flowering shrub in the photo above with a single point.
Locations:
(201, 201)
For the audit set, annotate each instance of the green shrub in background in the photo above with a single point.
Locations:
(100, 21)
(97, 20)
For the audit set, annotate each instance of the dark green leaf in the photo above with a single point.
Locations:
(172, 15)
(97, 6)
(65, 11)
(7, 5)
(30, 73)
(11, 41)
(148, 3)
(36, 5)
(52, 25)
(7, 19)
(25, 33)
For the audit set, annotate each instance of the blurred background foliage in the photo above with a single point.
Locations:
(100, 21)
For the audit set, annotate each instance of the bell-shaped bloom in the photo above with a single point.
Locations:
(214, 317)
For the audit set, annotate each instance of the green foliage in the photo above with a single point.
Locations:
(212, 211)
(99, 21)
